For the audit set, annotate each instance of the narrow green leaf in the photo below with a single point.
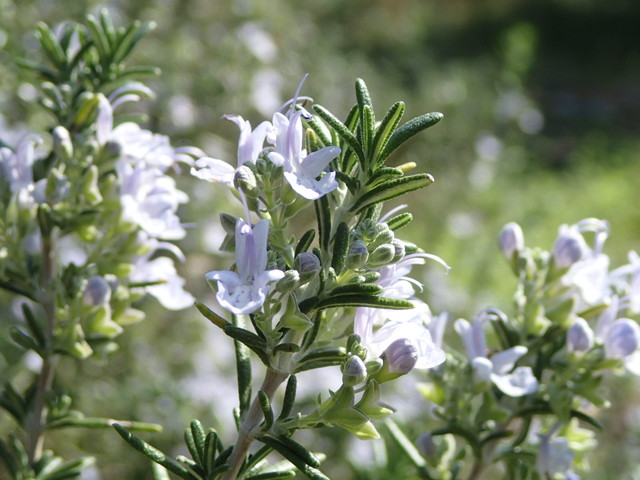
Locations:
(140, 71)
(289, 397)
(212, 316)
(296, 453)
(308, 304)
(212, 446)
(7, 459)
(348, 157)
(351, 182)
(323, 216)
(17, 289)
(12, 402)
(329, 362)
(319, 131)
(140, 30)
(99, 40)
(386, 128)
(108, 28)
(405, 444)
(34, 326)
(243, 364)
(267, 411)
(362, 95)
(23, 339)
(364, 301)
(51, 46)
(399, 221)
(392, 189)
(322, 353)
(285, 473)
(287, 347)
(154, 454)
(382, 174)
(97, 422)
(356, 289)
(340, 247)
(305, 241)
(367, 126)
(343, 132)
(408, 130)
(45, 72)
(69, 469)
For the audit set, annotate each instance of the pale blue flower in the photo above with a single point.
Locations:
(245, 291)
(511, 240)
(399, 324)
(16, 166)
(305, 172)
(150, 199)
(555, 457)
(499, 368)
(579, 336)
(170, 290)
(250, 145)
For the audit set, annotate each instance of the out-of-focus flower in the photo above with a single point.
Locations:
(97, 291)
(170, 291)
(301, 169)
(150, 199)
(16, 166)
(511, 240)
(555, 457)
(245, 291)
(622, 338)
(498, 368)
(406, 325)
(579, 336)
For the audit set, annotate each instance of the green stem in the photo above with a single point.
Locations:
(36, 421)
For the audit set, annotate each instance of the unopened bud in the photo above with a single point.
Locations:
(622, 338)
(383, 235)
(289, 282)
(354, 372)
(401, 356)
(62, 144)
(382, 255)
(511, 240)
(579, 336)
(400, 251)
(568, 249)
(113, 148)
(307, 265)
(357, 255)
(97, 292)
(426, 446)
(245, 180)
(90, 186)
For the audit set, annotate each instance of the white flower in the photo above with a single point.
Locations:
(250, 145)
(555, 457)
(170, 292)
(498, 368)
(17, 166)
(400, 324)
(135, 144)
(150, 199)
(245, 291)
(301, 169)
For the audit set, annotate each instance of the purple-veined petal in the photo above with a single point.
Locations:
(213, 170)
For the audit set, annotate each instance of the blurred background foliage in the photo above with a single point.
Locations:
(542, 114)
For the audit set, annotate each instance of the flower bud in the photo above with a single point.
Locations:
(113, 148)
(289, 282)
(307, 265)
(426, 446)
(401, 356)
(97, 292)
(62, 144)
(354, 372)
(568, 249)
(579, 336)
(357, 255)
(400, 251)
(382, 255)
(622, 338)
(90, 185)
(383, 234)
(511, 240)
(245, 180)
